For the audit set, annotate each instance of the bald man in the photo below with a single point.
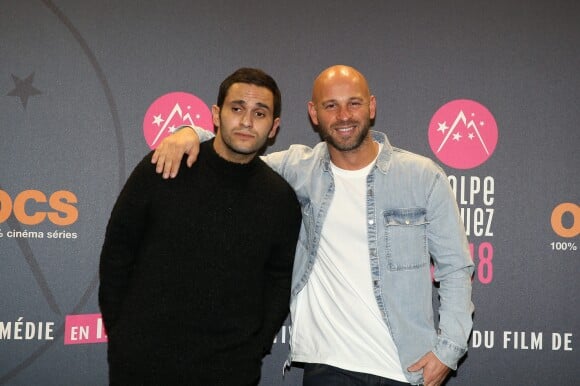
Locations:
(374, 218)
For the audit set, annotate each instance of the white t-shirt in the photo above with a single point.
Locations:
(336, 317)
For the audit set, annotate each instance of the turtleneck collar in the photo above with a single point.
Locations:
(208, 154)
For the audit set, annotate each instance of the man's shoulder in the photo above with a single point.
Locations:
(271, 178)
(401, 156)
(305, 151)
(415, 161)
(274, 185)
(144, 167)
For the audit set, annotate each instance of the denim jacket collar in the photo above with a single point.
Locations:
(383, 159)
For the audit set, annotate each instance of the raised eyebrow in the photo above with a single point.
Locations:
(243, 103)
(238, 102)
(263, 105)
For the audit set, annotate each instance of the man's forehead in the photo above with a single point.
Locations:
(250, 93)
(338, 93)
(340, 88)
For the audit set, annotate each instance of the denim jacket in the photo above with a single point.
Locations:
(412, 219)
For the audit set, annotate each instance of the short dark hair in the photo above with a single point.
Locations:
(253, 76)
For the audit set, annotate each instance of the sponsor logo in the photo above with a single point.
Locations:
(171, 111)
(32, 207)
(463, 134)
(566, 220)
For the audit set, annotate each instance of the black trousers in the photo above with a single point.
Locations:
(316, 374)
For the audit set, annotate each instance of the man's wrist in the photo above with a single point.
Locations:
(184, 127)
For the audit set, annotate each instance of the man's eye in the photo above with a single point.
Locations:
(236, 109)
(355, 105)
(260, 114)
(329, 106)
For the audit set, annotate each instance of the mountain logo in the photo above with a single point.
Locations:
(463, 134)
(171, 111)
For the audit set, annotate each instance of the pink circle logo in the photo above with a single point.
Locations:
(463, 134)
(171, 111)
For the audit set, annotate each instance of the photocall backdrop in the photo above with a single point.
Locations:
(490, 90)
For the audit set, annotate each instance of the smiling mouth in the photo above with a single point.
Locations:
(345, 130)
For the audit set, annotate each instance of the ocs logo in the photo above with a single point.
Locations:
(566, 220)
(32, 207)
(463, 134)
(170, 111)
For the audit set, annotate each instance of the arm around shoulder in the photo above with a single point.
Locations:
(170, 151)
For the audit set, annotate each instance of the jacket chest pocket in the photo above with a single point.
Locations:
(406, 238)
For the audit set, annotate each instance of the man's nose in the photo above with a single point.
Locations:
(344, 113)
(247, 119)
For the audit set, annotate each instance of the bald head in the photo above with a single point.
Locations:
(342, 108)
(336, 75)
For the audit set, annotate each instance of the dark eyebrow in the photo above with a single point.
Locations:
(243, 103)
(263, 105)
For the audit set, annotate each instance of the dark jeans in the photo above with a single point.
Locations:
(316, 374)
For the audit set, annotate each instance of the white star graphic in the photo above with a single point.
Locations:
(157, 120)
(456, 137)
(471, 136)
(172, 129)
(442, 127)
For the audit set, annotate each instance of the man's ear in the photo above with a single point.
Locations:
(274, 129)
(215, 116)
(313, 113)
(372, 107)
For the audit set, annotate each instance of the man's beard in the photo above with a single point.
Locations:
(352, 143)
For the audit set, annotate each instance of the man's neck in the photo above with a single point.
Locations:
(357, 158)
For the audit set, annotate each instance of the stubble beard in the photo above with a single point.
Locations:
(351, 143)
(229, 142)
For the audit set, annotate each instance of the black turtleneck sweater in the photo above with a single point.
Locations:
(195, 271)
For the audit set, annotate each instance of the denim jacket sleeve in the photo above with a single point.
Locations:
(204, 135)
(453, 270)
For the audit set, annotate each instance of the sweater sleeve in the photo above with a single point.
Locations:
(124, 233)
(277, 284)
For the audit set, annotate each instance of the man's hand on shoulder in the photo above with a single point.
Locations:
(168, 154)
